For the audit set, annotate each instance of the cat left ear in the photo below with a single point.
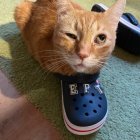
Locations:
(114, 13)
(64, 8)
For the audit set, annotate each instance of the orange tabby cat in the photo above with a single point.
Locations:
(66, 38)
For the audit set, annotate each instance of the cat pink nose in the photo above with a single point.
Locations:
(83, 50)
(83, 55)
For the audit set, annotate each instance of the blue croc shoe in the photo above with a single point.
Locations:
(84, 103)
(128, 33)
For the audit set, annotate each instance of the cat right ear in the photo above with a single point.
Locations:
(114, 13)
(64, 9)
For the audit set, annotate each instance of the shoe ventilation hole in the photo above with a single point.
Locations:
(82, 94)
(91, 101)
(86, 114)
(74, 99)
(99, 106)
(100, 98)
(95, 111)
(84, 105)
(93, 94)
(76, 108)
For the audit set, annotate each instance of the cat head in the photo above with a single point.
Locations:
(86, 39)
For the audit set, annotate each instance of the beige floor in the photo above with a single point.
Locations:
(19, 120)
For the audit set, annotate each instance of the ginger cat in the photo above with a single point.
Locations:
(65, 38)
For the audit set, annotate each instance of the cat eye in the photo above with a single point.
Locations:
(100, 39)
(73, 36)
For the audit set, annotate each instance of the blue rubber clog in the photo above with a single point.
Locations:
(84, 103)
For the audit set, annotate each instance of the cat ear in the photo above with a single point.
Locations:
(64, 8)
(114, 13)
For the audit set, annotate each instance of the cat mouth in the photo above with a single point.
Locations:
(80, 67)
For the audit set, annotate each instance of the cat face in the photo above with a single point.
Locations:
(86, 39)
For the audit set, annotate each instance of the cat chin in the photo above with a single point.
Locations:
(86, 70)
(81, 69)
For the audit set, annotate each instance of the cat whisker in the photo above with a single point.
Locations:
(54, 59)
(50, 50)
(52, 56)
(105, 67)
(55, 67)
(54, 64)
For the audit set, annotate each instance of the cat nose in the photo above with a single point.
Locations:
(83, 54)
(84, 51)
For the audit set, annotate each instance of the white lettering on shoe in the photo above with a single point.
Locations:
(86, 88)
(73, 89)
(97, 87)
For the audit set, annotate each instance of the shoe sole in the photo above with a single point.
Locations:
(78, 130)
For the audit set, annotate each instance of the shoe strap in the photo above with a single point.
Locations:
(131, 19)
